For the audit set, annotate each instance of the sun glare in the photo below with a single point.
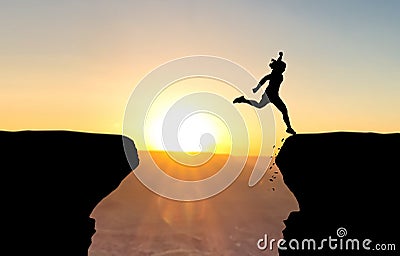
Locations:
(194, 131)
(203, 132)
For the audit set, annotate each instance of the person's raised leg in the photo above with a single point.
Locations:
(262, 103)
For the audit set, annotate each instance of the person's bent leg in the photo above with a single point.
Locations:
(262, 103)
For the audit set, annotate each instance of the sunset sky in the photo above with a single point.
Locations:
(72, 65)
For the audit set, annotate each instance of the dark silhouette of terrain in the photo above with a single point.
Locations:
(51, 181)
(343, 180)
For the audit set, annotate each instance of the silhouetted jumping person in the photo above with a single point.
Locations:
(271, 93)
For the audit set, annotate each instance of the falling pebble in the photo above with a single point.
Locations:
(270, 167)
(275, 172)
(279, 148)
(273, 146)
(273, 163)
(282, 139)
(273, 189)
(274, 177)
(271, 180)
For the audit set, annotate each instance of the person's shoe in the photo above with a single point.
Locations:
(239, 99)
(290, 130)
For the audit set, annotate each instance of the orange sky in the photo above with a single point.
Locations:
(73, 65)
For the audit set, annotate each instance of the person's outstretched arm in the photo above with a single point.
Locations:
(262, 81)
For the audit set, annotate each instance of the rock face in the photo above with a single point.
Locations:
(342, 180)
(51, 182)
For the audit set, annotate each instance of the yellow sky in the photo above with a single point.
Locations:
(199, 122)
(73, 65)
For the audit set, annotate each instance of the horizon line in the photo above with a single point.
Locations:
(196, 153)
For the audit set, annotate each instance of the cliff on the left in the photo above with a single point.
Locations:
(51, 182)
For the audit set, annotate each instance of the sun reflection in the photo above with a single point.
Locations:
(185, 172)
(181, 215)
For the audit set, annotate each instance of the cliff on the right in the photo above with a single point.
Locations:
(348, 193)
